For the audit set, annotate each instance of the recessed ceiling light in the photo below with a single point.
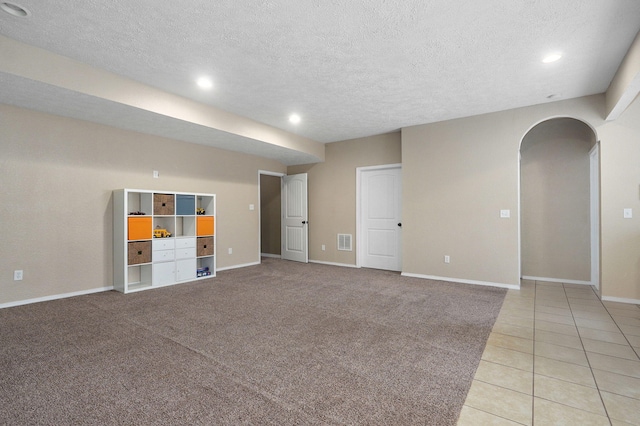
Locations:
(205, 83)
(294, 118)
(14, 9)
(551, 58)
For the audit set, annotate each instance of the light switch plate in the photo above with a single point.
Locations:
(252, 207)
(505, 213)
(628, 213)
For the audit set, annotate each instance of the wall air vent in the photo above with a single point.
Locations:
(344, 242)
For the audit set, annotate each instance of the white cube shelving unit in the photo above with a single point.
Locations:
(162, 238)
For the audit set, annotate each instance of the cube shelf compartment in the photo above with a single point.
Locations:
(204, 225)
(185, 205)
(207, 203)
(205, 246)
(138, 228)
(162, 238)
(185, 226)
(138, 252)
(163, 204)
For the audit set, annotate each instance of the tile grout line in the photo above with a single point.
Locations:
(474, 379)
(585, 351)
(573, 308)
(588, 363)
(622, 332)
(572, 315)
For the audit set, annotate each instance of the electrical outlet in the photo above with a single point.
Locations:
(230, 250)
(323, 247)
(156, 174)
(252, 207)
(627, 213)
(17, 275)
(447, 259)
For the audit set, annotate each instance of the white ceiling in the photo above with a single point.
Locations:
(349, 68)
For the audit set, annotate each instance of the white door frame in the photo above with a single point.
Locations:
(267, 173)
(594, 259)
(359, 171)
(594, 201)
(519, 283)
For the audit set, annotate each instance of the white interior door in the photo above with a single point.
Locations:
(381, 218)
(295, 230)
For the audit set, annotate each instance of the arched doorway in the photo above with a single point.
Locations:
(556, 210)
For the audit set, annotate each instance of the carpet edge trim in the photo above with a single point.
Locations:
(462, 281)
(556, 280)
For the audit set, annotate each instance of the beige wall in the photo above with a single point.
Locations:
(57, 175)
(623, 89)
(270, 210)
(620, 181)
(332, 191)
(554, 197)
(57, 179)
(458, 175)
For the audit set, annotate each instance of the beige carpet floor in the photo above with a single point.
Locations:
(281, 343)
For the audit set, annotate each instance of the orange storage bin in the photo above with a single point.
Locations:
(139, 228)
(204, 225)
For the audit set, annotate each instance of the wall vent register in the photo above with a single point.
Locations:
(344, 242)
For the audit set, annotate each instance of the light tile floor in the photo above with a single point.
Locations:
(557, 355)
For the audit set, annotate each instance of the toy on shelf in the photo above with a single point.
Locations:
(203, 272)
(137, 213)
(200, 211)
(161, 233)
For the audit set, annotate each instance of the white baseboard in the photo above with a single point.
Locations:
(556, 280)
(344, 265)
(54, 297)
(456, 280)
(621, 300)
(244, 265)
(275, 256)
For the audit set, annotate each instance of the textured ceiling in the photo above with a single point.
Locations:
(349, 68)
(54, 100)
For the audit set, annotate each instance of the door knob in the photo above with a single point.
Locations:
(304, 222)
(400, 224)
